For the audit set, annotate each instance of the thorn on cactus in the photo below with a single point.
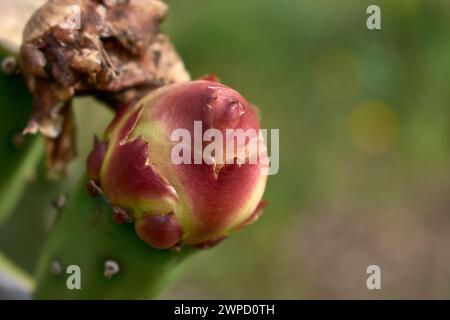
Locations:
(59, 202)
(55, 267)
(177, 248)
(9, 65)
(93, 189)
(121, 215)
(111, 268)
(18, 140)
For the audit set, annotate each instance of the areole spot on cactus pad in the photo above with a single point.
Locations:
(173, 203)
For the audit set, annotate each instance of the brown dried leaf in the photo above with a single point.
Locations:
(117, 53)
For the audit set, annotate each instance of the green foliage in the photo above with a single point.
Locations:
(308, 64)
(86, 235)
(19, 275)
(32, 217)
(19, 155)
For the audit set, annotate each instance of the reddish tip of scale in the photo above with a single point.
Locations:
(121, 216)
(95, 159)
(210, 77)
(255, 215)
(93, 189)
(210, 243)
(161, 232)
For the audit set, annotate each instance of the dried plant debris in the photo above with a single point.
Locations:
(112, 49)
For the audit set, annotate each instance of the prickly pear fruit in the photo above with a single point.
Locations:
(197, 201)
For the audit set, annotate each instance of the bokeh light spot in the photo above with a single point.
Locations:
(373, 127)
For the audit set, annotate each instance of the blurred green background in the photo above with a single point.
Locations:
(364, 119)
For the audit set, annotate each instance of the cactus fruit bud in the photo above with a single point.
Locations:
(137, 167)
